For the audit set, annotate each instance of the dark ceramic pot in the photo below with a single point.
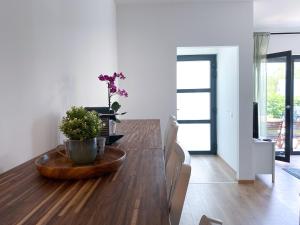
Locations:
(82, 152)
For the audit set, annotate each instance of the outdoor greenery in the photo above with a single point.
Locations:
(275, 100)
(275, 107)
(80, 124)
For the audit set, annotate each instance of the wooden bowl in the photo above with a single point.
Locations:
(55, 165)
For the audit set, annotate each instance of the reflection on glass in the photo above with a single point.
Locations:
(194, 137)
(296, 124)
(193, 106)
(193, 74)
(276, 75)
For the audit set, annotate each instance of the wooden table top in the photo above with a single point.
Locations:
(134, 195)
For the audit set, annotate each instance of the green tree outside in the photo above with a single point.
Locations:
(276, 101)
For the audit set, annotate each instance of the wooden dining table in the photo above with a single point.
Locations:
(134, 195)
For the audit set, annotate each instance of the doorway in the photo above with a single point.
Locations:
(282, 100)
(196, 103)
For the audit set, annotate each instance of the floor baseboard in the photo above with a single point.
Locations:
(246, 181)
(223, 160)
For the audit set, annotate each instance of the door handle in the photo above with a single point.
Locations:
(288, 107)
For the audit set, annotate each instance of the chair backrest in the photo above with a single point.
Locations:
(173, 168)
(170, 121)
(209, 221)
(171, 140)
(179, 186)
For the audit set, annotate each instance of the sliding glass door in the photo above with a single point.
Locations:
(279, 103)
(196, 103)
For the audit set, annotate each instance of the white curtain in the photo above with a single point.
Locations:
(261, 42)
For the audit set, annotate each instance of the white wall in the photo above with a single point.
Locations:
(148, 35)
(279, 43)
(51, 53)
(227, 99)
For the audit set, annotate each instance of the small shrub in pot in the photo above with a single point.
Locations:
(81, 127)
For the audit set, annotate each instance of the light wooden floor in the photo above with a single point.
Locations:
(213, 191)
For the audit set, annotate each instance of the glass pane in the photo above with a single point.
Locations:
(193, 74)
(194, 137)
(296, 124)
(276, 80)
(193, 106)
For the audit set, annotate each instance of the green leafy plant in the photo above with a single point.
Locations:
(297, 101)
(80, 124)
(275, 107)
(115, 106)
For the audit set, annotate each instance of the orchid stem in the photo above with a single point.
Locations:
(109, 103)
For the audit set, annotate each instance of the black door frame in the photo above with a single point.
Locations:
(295, 58)
(213, 101)
(288, 103)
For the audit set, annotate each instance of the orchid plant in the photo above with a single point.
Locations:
(113, 89)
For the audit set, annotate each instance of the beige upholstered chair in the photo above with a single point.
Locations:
(170, 121)
(173, 168)
(170, 140)
(179, 184)
(209, 221)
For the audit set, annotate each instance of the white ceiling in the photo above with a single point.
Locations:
(277, 15)
(175, 1)
(269, 15)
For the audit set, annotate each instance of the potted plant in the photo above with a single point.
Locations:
(113, 90)
(81, 127)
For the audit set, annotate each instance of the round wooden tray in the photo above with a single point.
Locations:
(55, 165)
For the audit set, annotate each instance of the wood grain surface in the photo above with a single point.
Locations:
(134, 195)
(57, 165)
